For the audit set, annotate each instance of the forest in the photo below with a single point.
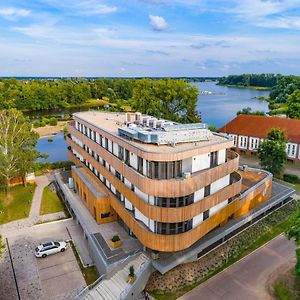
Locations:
(250, 80)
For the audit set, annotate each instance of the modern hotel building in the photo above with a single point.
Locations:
(167, 184)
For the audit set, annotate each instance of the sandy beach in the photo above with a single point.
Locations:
(50, 130)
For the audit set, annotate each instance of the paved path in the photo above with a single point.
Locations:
(248, 278)
(41, 182)
(253, 161)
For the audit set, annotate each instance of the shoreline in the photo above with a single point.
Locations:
(256, 88)
(48, 130)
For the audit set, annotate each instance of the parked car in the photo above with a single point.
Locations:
(49, 248)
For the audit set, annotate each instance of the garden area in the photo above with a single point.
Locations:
(185, 277)
(16, 203)
(50, 202)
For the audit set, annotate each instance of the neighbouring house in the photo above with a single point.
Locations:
(248, 131)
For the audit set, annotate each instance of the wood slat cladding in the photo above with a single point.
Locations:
(159, 188)
(141, 152)
(172, 243)
(168, 214)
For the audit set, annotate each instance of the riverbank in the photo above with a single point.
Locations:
(49, 130)
(256, 88)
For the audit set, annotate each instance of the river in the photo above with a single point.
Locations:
(216, 109)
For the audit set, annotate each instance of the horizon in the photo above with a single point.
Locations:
(148, 38)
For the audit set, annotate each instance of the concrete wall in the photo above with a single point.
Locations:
(200, 162)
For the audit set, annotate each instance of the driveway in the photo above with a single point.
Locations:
(59, 274)
(248, 278)
(55, 277)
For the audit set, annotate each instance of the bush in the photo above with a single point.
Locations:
(36, 124)
(53, 122)
(42, 124)
(115, 238)
(41, 167)
(45, 120)
(291, 178)
(297, 266)
(50, 139)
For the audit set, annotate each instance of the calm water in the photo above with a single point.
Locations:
(219, 109)
(215, 110)
(57, 150)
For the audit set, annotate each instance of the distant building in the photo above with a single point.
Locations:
(248, 131)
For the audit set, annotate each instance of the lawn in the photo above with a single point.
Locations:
(50, 202)
(297, 188)
(16, 203)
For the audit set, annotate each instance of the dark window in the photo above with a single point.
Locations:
(127, 157)
(118, 175)
(206, 215)
(213, 159)
(207, 191)
(84, 197)
(105, 215)
(140, 165)
(132, 187)
(106, 143)
(118, 194)
(121, 153)
(173, 228)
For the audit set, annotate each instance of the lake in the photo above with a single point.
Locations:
(57, 150)
(216, 109)
(221, 108)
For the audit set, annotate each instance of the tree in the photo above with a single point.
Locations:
(272, 152)
(248, 111)
(174, 100)
(17, 145)
(293, 104)
(294, 232)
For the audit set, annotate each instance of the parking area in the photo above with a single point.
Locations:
(57, 276)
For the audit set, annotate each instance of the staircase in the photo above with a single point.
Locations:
(116, 288)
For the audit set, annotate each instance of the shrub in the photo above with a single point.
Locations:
(45, 120)
(53, 122)
(115, 238)
(291, 178)
(50, 139)
(36, 124)
(131, 271)
(42, 124)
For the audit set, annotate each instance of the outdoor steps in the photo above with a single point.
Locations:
(111, 289)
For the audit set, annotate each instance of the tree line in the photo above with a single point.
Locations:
(251, 80)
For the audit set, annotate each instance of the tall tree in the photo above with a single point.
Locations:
(272, 152)
(17, 145)
(293, 104)
(174, 100)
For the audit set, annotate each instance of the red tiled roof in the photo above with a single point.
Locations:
(259, 126)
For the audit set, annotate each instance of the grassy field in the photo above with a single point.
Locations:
(16, 203)
(297, 187)
(50, 202)
(272, 233)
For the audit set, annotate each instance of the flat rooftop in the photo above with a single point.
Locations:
(90, 182)
(111, 122)
(251, 178)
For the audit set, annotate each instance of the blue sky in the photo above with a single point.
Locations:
(149, 37)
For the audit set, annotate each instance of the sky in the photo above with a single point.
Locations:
(149, 37)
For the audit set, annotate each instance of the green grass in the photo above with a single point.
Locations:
(89, 273)
(50, 202)
(281, 292)
(297, 188)
(257, 88)
(16, 203)
(272, 233)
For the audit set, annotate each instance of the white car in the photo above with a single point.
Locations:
(49, 248)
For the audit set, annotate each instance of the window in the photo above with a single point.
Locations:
(234, 137)
(207, 191)
(174, 202)
(206, 215)
(121, 153)
(173, 228)
(243, 140)
(291, 150)
(127, 157)
(140, 165)
(105, 215)
(254, 143)
(84, 197)
(106, 143)
(213, 159)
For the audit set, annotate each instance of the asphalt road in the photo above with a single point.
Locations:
(248, 278)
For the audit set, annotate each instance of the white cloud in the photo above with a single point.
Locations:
(158, 23)
(12, 13)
